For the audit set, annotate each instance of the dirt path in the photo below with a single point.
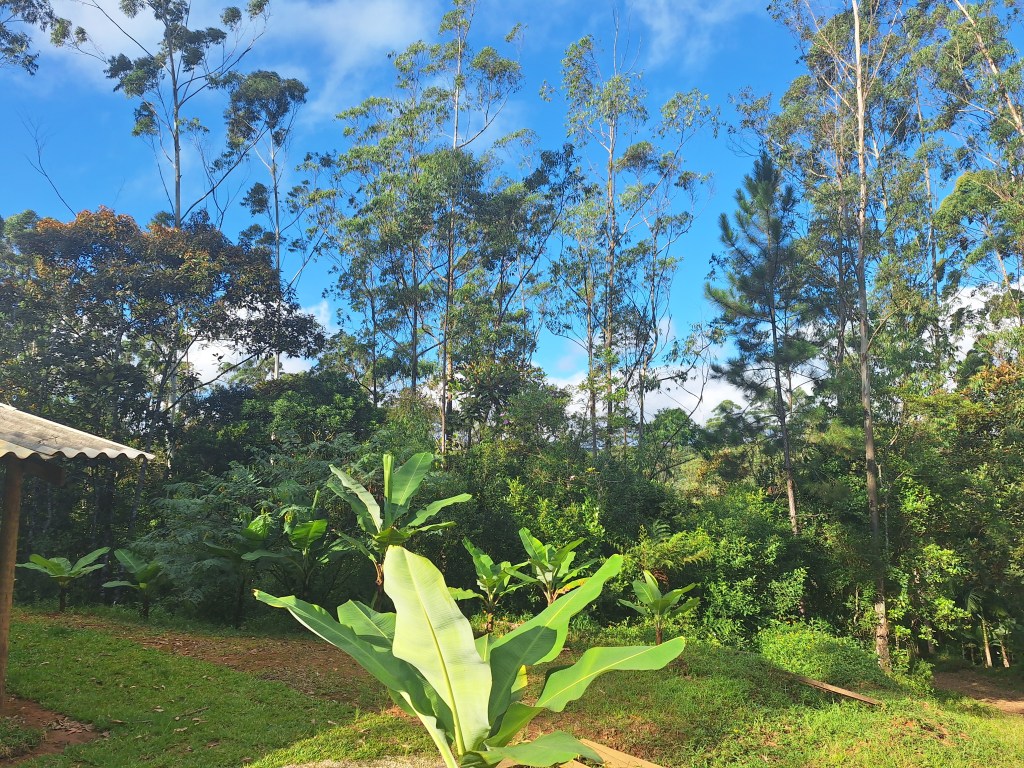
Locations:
(59, 732)
(982, 688)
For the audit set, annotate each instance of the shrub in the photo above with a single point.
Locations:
(810, 651)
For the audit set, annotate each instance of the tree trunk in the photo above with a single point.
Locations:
(275, 180)
(993, 68)
(240, 603)
(780, 414)
(611, 261)
(8, 556)
(985, 642)
(592, 382)
(864, 327)
(414, 355)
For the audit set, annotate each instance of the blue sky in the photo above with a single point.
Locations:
(339, 49)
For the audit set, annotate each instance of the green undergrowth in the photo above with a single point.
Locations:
(715, 707)
(813, 653)
(718, 707)
(1006, 677)
(16, 739)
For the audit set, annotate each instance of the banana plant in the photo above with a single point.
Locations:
(239, 556)
(493, 580)
(306, 549)
(468, 693)
(146, 577)
(552, 566)
(388, 526)
(63, 572)
(657, 607)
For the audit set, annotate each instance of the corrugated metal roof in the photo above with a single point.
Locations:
(26, 436)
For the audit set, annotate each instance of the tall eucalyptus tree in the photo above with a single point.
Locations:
(260, 115)
(620, 237)
(857, 114)
(977, 75)
(167, 80)
(426, 233)
(16, 18)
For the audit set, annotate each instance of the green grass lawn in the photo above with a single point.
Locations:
(713, 708)
(16, 739)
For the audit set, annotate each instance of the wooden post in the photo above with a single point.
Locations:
(8, 554)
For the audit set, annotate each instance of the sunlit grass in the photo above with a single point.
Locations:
(713, 708)
(158, 709)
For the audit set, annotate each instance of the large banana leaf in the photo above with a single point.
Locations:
(516, 718)
(397, 674)
(550, 749)
(541, 638)
(436, 506)
(260, 554)
(305, 535)
(435, 526)
(50, 566)
(376, 628)
(131, 562)
(432, 635)
(129, 584)
(407, 478)
(92, 557)
(360, 499)
(569, 684)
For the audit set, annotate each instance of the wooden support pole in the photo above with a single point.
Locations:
(8, 555)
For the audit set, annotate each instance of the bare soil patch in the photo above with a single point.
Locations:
(982, 688)
(59, 732)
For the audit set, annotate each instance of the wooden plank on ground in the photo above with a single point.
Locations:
(837, 690)
(612, 759)
(615, 759)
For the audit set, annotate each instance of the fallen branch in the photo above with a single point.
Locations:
(836, 690)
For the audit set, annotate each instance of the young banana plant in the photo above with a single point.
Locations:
(652, 604)
(63, 572)
(552, 566)
(387, 527)
(493, 580)
(468, 693)
(146, 577)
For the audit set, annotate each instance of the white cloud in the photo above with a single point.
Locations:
(338, 39)
(697, 396)
(107, 37)
(687, 32)
(207, 359)
(324, 315)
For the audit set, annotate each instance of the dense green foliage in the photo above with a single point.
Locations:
(868, 303)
